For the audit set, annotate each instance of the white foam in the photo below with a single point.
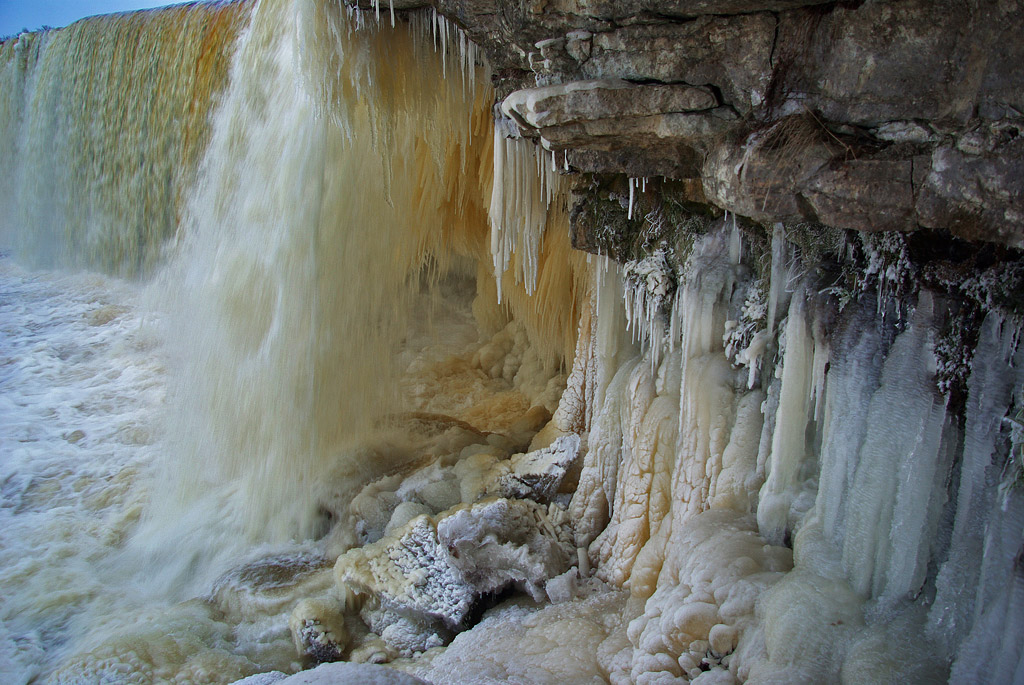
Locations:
(82, 391)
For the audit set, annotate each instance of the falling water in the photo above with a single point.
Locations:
(107, 119)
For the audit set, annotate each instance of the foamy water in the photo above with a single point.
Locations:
(81, 389)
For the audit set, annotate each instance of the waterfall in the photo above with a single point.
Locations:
(107, 120)
(300, 260)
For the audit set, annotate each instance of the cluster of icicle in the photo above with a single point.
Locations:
(700, 476)
(524, 189)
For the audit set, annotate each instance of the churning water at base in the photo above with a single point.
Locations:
(82, 387)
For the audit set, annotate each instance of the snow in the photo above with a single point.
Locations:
(349, 674)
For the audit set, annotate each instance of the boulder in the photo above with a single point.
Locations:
(423, 580)
(537, 475)
(502, 542)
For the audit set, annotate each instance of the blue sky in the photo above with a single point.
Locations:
(16, 15)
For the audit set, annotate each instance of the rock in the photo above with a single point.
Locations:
(268, 678)
(408, 572)
(423, 580)
(318, 630)
(620, 9)
(762, 179)
(498, 543)
(732, 54)
(909, 84)
(578, 45)
(537, 475)
(372, 650)
(374, 506)
(403, 635)
(676, 129)
(864, 195)
(410, 638)
(602, 99)
(387, 5)
(666, 122)
(904, 132)
(405, 512)
(435, 486)
(270, 585)
(976, 197)
(883, 61)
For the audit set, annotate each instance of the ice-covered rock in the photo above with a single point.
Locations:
(537, 475)
(318, 630)
(345, 673)
(408, 571)
(402, 633)
(520, 643)
(270, 585)
(423, 579)
(262, 678)
(497, 543)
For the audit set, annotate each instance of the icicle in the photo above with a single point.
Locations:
(900, 461)
(631, 189)
(497, 208)
(778, 273)
(821, 357)
(789, 440)
(736, 242)
(524, 189)
(444, 49)
(565, 160)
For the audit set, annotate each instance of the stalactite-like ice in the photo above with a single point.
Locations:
(959, 617)
(901, 469)
(523, 191)
(857, 449)
(789, 446)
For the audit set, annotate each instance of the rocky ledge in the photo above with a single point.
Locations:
(876, 115)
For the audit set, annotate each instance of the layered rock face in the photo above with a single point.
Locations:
(867, 115)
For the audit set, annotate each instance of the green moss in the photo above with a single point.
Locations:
(816, 243)
(662, 216)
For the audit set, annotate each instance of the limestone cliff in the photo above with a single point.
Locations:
(882, 115)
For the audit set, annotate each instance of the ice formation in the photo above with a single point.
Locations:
(523, 191)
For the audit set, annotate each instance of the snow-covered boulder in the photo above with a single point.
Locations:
(422, 580)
